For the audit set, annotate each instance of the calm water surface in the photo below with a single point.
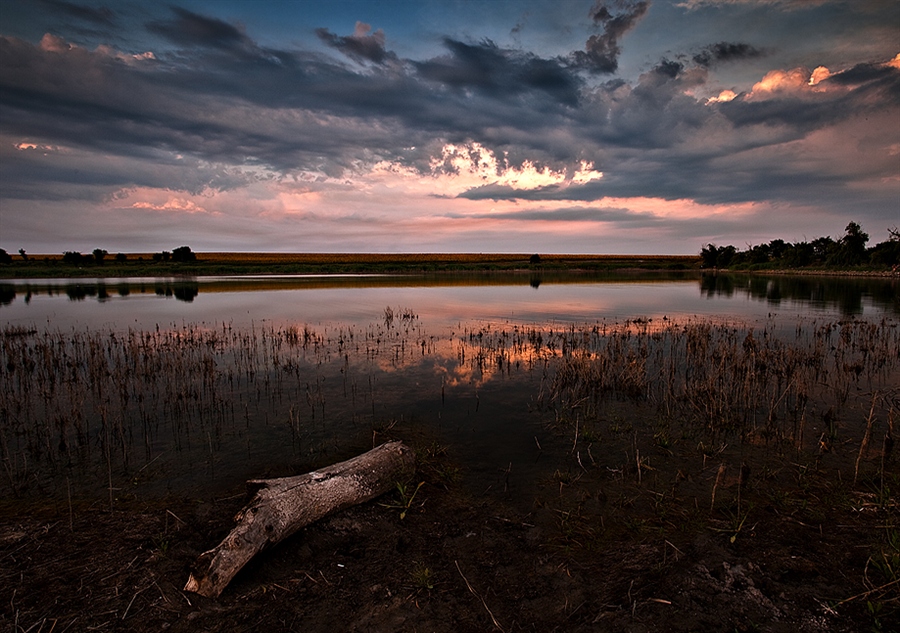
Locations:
(439, 301)
(194, 386)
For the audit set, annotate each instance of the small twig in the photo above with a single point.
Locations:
(72, 623)
(720, 475)
(315, 582)
(865, 441)
(578, 457)
(139, 592)
(161, 591)
(673, 547)
(475, 593)
(148, 463)
(868, 593)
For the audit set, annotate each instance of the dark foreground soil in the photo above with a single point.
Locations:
(578, 560)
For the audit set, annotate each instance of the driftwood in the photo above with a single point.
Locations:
(283, 506)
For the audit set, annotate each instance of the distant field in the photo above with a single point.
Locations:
(143, 264)
(426, 258)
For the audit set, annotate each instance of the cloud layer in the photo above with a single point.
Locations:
(338, 142)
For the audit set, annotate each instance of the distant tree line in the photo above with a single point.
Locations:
(823, 252)
(180, 254)
(98, 256)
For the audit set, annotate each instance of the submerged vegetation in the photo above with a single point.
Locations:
(74, 397)
(650, 450)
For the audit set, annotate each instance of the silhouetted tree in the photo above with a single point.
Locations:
(23, 254)
(852, 247)
(823, 248)
(5, 258)
(717, 256)
(121, 258)
(99, 255)
(183, 254)
(887, 253)
(709, 254)
(534, 259)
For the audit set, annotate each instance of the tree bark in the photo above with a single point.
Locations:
(283, 506)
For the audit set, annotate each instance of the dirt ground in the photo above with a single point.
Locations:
(579, 559)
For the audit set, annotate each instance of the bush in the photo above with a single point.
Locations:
(183, 254)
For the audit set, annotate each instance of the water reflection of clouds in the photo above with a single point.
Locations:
(442, 307)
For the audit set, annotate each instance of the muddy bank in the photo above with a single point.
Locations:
(799, 551)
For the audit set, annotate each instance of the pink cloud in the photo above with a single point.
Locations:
(171, 204)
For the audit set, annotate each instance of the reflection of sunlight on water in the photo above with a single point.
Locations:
(210, 404)
(441, 301)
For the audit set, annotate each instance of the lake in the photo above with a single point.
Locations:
(439, 300)
(133, 387)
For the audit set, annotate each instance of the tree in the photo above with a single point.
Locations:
(5, 258)
(534, 259)
(99, 255)
(183, 254)
(72, 257)
(852, 247)
(121, 258)
(717, 256)
(23, 254)
(726, 255)
(823, 248)
(887, 253)
(710, 256)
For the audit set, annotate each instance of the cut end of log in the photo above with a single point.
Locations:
(208, 588)
(200, 582)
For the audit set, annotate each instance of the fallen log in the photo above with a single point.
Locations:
(283, 506)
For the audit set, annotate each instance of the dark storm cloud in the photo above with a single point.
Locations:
(191, 29)
(86, 175)
(102, 16)
(361, 45)
(669, 68)
(726, 52)
(497, 72)
(875, 87)
(505, 192)
(223, 99)
(866, 73)
(568, 214)
(615, 18)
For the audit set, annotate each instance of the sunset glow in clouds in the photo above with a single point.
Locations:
(607, 126)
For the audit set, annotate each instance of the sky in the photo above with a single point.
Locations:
(526, 126)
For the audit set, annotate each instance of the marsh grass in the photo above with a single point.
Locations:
(73, 401)
(651, 404)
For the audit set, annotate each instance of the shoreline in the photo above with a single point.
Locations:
(238, 264)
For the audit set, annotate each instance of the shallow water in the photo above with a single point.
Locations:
(143, 387)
